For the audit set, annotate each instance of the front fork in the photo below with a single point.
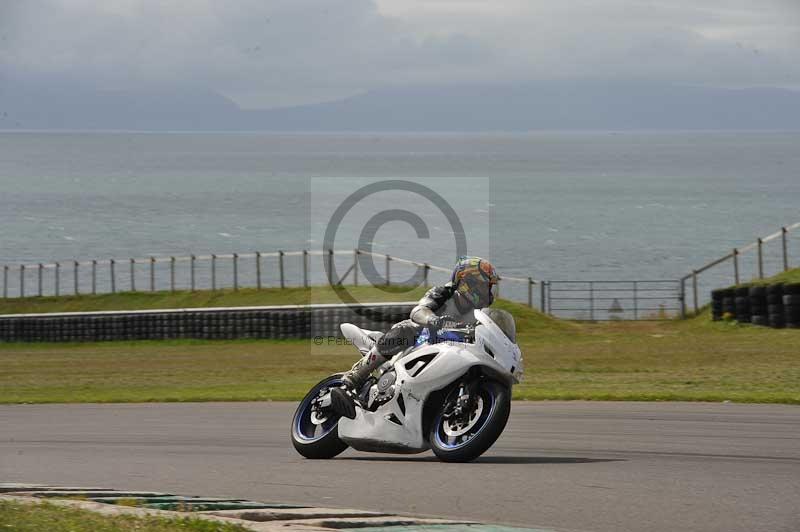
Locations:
(464, 400)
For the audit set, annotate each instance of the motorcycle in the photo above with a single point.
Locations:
(450, 392)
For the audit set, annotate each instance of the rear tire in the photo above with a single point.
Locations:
(320, 441)
(495, 409)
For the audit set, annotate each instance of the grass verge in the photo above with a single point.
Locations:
(789, 276)
(46, 517)
(691, 360)
(244, 297)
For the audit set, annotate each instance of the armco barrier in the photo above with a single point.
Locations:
(276, 322)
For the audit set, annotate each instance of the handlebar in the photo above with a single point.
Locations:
(468, 331)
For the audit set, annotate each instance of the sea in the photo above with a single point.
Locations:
(547, 205)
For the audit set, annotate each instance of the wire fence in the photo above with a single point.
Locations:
(308, 268)
(279, 269)
(765, 257)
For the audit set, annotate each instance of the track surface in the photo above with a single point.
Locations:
(568, 466)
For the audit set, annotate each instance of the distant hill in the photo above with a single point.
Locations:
(567, 105)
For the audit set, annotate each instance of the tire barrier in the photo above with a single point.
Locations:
(791, 305)
(776, 305)
(729, 302)
(716, 304)
(285, 322)
(758, 305)
(742, 304)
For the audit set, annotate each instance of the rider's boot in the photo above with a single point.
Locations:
(343, 400)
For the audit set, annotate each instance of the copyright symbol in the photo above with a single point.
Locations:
(373, 225)
(318, 340)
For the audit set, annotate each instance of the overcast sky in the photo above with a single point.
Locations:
(265, 53)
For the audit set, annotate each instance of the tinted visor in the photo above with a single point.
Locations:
(479, 292)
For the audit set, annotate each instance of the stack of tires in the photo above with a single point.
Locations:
(776, 305)
(791, 305)
(716, 303)
(741, 304)
(758, 305)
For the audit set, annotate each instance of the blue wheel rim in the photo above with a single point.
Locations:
(304, 429)
(451, 443)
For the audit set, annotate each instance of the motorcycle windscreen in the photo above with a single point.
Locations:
(504, 320)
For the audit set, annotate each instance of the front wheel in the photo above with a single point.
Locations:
(465, 436)
(314, 431)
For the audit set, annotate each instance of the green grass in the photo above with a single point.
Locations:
(46, 517)
(789, 276)
(205, 298)
(689, 360)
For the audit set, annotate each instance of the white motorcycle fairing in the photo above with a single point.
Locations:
(398, 424)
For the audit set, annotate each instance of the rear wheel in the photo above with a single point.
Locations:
(464, 436)
(314, 430)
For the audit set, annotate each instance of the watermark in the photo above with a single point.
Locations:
(387, 343)
(386, 233)
(435, 221)
(368, 233)
(331, 340)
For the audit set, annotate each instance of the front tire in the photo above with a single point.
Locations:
(473, 437)
(310, 437)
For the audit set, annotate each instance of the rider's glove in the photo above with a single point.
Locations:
(445, 322)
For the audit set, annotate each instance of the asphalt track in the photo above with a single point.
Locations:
(559, 465)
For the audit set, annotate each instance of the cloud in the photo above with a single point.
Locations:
(293, 51)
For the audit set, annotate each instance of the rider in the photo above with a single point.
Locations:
(471, 287)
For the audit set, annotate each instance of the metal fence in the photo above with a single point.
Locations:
(307, 268)
(614, 300)
(764, 257)
(279, 269)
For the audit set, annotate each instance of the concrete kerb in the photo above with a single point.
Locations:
(271, 517)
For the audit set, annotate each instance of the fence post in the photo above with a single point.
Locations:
(425, 269)
(280, 269)
(682, 295)
(530, 292)
(694, 292)
(5, 282)
(192, 260)
(133, 275)
(152, 274)
(113, 277)
(760, 259)
(75, 276)
(94, 277)
(58, 278)
(549, 299)
(330, 267)
(305, 268)
(388, 272)
(591, 300)
(235, 271)
(636, 300)
(41, 274)
(355, 267)
(258, 270)
(542, 301)
(22, 281)
(785, 249)
(736, 266)
(172, 274)
(213, 272)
